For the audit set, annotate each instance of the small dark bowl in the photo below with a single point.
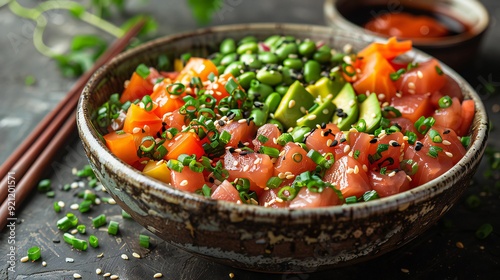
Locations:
(457, 51)
(258, 238)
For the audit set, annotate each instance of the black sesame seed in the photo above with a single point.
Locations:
(222, 123)
(231, 150)
(334, 143)
(323, 125)
(339, 110)
(258, 104)
(56, 241)
(446, 131)
(211, 179)
(395, 144)
(243, 153)
(418, 146)
(241, 145)
(342, 140)
(373, 141)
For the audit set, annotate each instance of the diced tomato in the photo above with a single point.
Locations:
(389, 50)
(257, 168)
(136, 88)
(450, 117)
(412, 107)
(386, 185)
(269, 198)
(226, 191)
(429, 168)
(157, 170)
(348, 175)
(175, 119)
(187, 179)
(240, 132)
(468, 111)
(375, 77)
(122, 145)
(390, 157)
(184, 143)
(269, 131)
(448, 141)
(138, 117)
(422, 79)
(197, 67)
(294, 160)
(308, 199)
(166, 102)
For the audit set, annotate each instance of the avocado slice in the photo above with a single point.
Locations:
(370, 111)
(326, 86)
(293, 105)
(323, 113)
(347, 107)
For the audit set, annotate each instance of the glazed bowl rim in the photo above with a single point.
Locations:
(335, 17)
(90, 136)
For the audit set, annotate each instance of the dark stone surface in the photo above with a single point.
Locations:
(434, 255)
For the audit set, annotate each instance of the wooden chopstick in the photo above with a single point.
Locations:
(25, 166)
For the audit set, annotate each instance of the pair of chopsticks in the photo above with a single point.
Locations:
(24, 167)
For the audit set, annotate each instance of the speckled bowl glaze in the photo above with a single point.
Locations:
(258, 238)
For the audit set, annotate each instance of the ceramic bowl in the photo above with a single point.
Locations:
(258, 238)
(457, 51)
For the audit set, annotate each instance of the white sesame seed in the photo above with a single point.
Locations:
(373, 115)
(125, 84)
(405, 138)
(107, 274)
(281, 175)
(365, 168)
(381, 96)
(74, 185)
(184, 183)
(158, 275)
(135, 255)
(74, 171)
(353, 129)
(409, 178)
(146, 128)
(124, 256)
(24, 259)
(77, 276)
(411, 85)
(311, 117)
(100, 255)
(111, 201)
(97, 201)
(411, 91)
(329, 142)
(242, 121)
(399, 94)
(303, 110)
(446, 142)
(405, 270)
(347, 148)
(61, 204)
(70, 260)
(113, 277)
(74, 231)
(44, 263)
(449, 154)
(420, 74)
(347, 48)
(98, 271)
(245, 168)
(136, 130)
(291, 104)
(349, 170)
(351, 153)
(392, 174)
(235, 163)
(356, 169)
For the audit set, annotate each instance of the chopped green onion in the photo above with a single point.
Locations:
(435, 136)
(113, 227)
(185, 57)
(465, 140)
(297, 157)
(393, 110)
(382, 148)
(143, 241)
(196, 82)
(94, 241)
(86, 171)
(473, 201)
(196, 166)
(370, 195)
(317, 158)
(44, 185)
(396, 75)
(185, 159)
(231, 85)
(89, 195)
(361, 125)
(50, 194)
(272, 152)
(66, 187)
(383, 170)
(242, 185)
(175, 165)
(412, 137)
(67, 222)
(99, 221)
(163, 62)
(176, 88)
(149, 148)
(411, 65)
(356, 154)
(423, 124)
(445, 102)
(68, 238)
(484, 231)
(351, 200)
(225, 137)
(409, 166)
(362, 97)
(85, 206)
(262, 139)
(206, 191)
(81, 229)
(439, 70)
(126, 215)
(274, 182)
(287, 193)
(57, 207)
(348, 69)
(211, 77)
(142, 70)
(80, 244)
(433, 151)
(34, 253)
(284, 138)
(148, 103)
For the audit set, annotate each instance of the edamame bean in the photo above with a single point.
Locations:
(248, 39)
(293, 63)
(285, 50)
(312, 71)
(268, 58)
(221, 68)
(281, 89)
(271, 40)
(250, 47)
(228, 59)
(259, 91)
(228, 46)
(277, 123)
(287, 76)
(338, 57)
(245, 79)
(322, 56)
(307, 48)
(251, 60)
(259, 115)
(273, 101)
(216, 58)
(269, 77)
(235, 68)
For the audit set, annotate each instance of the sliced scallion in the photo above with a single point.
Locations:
(274, 182)
(113, 227)
(144, 241)
(99, 221)
(34, 253)
(142, 70)
(272, 152)
(93, 241)
(484, 231)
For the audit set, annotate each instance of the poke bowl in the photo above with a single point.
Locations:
(254, 237)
